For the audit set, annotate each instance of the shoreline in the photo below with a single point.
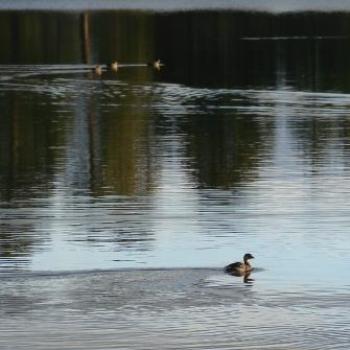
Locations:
(272, 6)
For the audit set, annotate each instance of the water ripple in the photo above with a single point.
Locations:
(174, 99)
(145, 308)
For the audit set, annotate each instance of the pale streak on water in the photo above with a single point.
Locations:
(185, 232)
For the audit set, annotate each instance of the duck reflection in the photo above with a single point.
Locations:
(245, 275)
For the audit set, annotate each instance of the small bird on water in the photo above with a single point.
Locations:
(240, 268)
(113, 66)
(98, 69)
(157, 64)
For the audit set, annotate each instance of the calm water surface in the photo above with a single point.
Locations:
(123, 195)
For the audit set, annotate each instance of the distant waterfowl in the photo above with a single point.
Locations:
(156, 64)
(113, 66)
(98, 69)
(240, 268)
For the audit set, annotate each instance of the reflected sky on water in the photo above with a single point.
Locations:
(238, 144)
(158, 179)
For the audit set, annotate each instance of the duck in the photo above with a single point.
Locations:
(157, 64)
(113, 66)
(240, 268)
(98, 69)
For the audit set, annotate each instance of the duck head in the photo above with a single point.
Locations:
(248, 256)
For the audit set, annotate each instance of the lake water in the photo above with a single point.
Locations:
(123, 195)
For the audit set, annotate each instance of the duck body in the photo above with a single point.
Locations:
(156, 64)
(240, 268)
(113, 66)
(98, 70)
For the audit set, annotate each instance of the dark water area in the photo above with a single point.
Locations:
(204, 49)
(122, 195)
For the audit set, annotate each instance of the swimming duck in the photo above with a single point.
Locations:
(98, 69)
(240, 268)
(113, 66)
(156, 64)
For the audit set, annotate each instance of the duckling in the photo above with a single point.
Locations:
(240, 268)
(156, 64)
(113, 66)
(98, 69)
